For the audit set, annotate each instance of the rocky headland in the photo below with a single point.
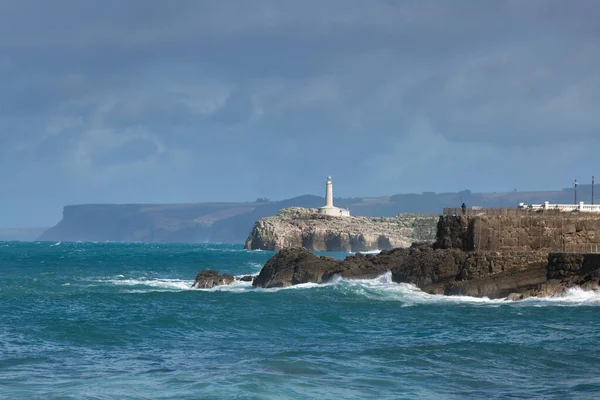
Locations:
(511, 255)
(304, 227)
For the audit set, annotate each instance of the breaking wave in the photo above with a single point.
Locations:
(149, 284)
(384, 289)
(366, 252)
(378, 289)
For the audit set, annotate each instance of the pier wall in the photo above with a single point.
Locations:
(521, 231)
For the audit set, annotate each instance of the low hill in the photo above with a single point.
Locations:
(232, 222)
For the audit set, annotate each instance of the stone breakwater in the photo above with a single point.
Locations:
(304, 227)
(571, 232)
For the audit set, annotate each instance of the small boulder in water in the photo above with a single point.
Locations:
(208, 278)
(247, 278)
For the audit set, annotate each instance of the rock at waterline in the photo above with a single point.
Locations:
(208, 278)
(297, 265)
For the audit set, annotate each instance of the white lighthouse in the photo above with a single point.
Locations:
(329, 208)
(329, 193)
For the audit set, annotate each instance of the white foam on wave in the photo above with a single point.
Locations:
(222, 250)
(573, 296)
(366, 252)
(235, 287)
(301, 286)
(383, 289)
(150, 284)
(239, 286)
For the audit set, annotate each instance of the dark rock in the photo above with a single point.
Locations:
(208, 278)
(291, 267)
(451, 271)
(566, 271)
(298, 265)
(247, 278)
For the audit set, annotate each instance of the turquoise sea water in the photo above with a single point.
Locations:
(119, 321)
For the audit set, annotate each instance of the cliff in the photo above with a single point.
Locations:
(185, 223)
(304, 227)
(231, 222)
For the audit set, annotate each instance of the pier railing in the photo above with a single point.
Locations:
(483, 211)
(523, 208)
(562, 207)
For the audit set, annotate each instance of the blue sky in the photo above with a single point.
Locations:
(186, 101)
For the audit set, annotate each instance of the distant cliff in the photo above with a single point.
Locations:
(304, 227)
(231, 222)
(183, 223)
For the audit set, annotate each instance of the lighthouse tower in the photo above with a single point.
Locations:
(329, 208)
(329, 193)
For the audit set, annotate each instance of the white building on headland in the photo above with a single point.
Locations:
(329, 208)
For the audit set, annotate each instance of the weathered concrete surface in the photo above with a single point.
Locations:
(304, 227)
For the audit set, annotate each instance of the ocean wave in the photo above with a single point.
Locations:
(384, 289)
(153, 284)
(366, 252)
(223, 250)
(573, 296)
(381, 288)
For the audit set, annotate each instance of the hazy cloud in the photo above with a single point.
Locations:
(149, 101)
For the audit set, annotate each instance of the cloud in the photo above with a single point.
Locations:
(424, 157)
(98, 97)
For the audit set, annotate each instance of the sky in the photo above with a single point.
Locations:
(147, 101)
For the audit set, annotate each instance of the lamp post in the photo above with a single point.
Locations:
(592, 190)
(575, 190)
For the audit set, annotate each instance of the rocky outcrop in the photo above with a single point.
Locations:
(304, 227)
(479, 273)
(298, 265)
(566, 271)
(207, 278)
(443, 271)
(291, 267)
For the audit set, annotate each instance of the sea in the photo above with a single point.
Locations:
(121, 321)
